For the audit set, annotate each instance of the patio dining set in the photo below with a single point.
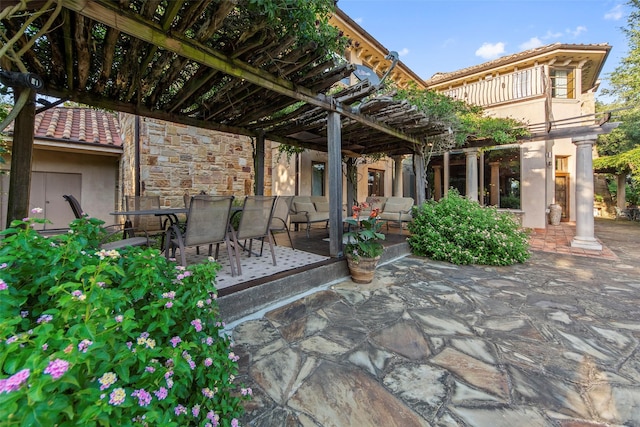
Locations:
(204, 221)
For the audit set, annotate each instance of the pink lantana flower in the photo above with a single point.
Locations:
(57, 368)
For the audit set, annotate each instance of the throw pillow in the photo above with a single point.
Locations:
(394, 207)
(322, 206)
(305, 207)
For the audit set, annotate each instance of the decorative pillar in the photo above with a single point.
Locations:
(481, 176)
(437, 182)
(446, 173)
(494, 190)
(584, 237)
(397, 181)
(472, 174)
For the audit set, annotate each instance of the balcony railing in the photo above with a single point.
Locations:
(510, 87)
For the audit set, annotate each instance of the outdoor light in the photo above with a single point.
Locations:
(28, 80)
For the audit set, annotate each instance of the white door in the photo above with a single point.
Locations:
(47, 189)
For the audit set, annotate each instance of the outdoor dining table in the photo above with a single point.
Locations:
(170, 213)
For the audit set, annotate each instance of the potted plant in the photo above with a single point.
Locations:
(364, 246)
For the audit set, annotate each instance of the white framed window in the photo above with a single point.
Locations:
(562, 83)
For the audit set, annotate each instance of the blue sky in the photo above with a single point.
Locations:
(447, 35)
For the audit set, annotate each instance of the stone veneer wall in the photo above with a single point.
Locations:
(177, 159)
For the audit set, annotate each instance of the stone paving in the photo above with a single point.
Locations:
(552, 342)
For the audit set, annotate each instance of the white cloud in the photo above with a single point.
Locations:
(403, 52)
(532, 43)
(614, 14)
(490, 50)
(579, 30)
(552, 35)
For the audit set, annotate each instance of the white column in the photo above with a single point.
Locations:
(397, 178)
(481, 176)
(446, 173)
(472, 174)
(494, 191)
(585, 237)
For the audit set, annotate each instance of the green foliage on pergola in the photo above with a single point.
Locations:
(627, 162)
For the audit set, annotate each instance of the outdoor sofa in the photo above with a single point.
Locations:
(392, 209)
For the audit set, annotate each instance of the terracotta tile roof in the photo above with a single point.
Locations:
(437, 77)
(77, 125)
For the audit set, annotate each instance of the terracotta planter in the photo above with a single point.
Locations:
(362, 270)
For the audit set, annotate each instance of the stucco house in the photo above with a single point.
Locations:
(551, 88)
(76, 151)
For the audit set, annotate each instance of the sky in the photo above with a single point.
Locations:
(447, 35)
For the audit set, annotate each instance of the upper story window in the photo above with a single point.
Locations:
(563, 83)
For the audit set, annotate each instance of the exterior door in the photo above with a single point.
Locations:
(562, 194)
(47, 189)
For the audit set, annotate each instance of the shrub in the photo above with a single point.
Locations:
(460, 231)
(94, 337)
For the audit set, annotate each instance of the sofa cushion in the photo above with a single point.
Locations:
(397, 204)
(395, 216)
(305, 207)
(322, 206)
(394, 207)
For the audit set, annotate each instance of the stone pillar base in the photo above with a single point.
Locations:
(586, 243)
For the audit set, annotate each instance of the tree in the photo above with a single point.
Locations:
(621, 148)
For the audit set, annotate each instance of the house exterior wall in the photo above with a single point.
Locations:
(99, 182)
(177, 159)
(518, 87)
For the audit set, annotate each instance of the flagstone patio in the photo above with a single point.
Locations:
(552, 342)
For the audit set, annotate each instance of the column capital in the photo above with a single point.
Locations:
(436, 167)
(471, 150)
(586, 139)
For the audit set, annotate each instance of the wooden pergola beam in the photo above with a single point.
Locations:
(110, 15)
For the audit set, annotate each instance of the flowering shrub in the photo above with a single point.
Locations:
(95, 337)
(460, 231)
(365, 239)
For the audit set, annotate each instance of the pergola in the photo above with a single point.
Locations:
(215, 64)
(208, 63)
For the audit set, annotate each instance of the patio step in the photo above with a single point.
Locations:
(279, 288)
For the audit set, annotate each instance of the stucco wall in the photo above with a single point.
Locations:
(533, 173)
(98, 180)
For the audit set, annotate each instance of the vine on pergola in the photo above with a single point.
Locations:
(466, 123)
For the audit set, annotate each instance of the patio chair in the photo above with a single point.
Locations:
(208, 224)
(254, 224)
(280, 219)
(128, 233)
